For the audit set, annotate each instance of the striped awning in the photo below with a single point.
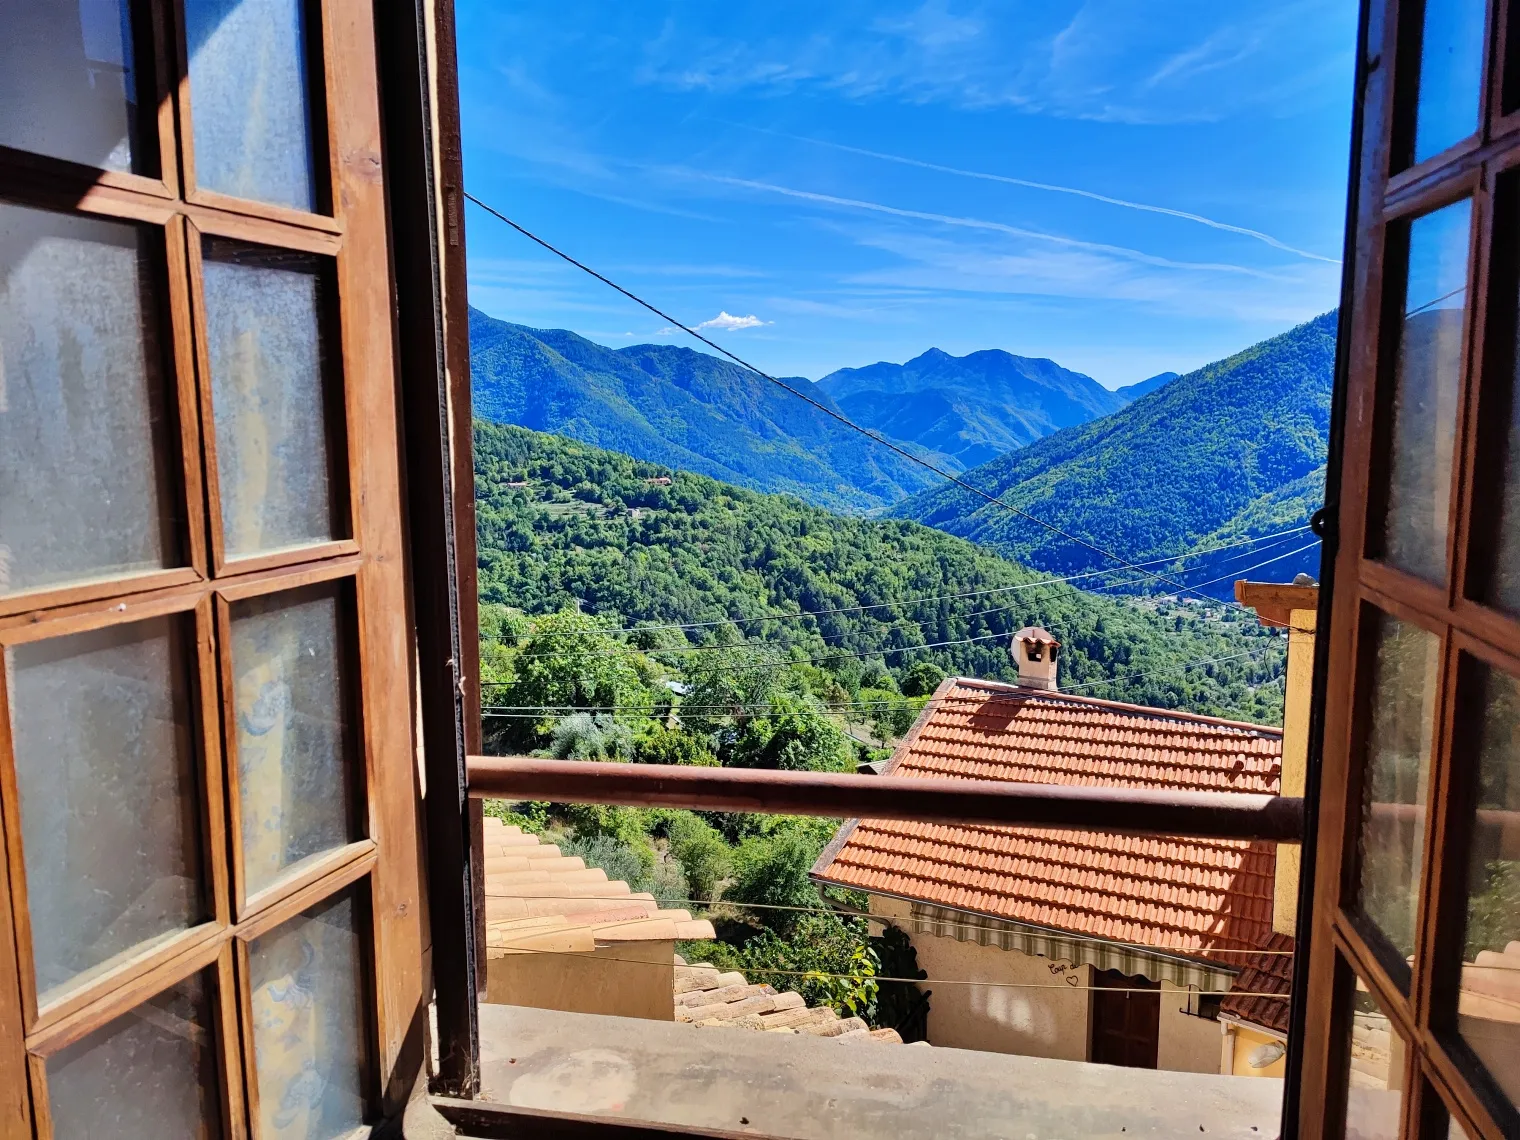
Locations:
(965, 926)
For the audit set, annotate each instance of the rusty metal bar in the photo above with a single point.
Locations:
(1134, 811)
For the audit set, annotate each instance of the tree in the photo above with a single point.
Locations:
(795, 735)
(584, 736)
(921, 679)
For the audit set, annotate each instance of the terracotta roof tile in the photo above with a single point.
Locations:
(1195, 896)
(1269, 972)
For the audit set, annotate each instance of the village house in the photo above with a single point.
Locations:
(1080, 944)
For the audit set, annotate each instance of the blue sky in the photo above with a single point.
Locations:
(1126, 187)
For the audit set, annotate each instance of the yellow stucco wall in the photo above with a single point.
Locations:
(1246, 1041)
(626, 979)
(1295, 760)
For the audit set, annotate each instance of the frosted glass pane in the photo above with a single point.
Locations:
(1488, 1009)
(1427, 380)
(250, 99)
(269, 360)
(85, 449)
(1404, 682)
(68, 82)
(308, 1023)
(297, 777)
(1375, 1096)
(1451, 74)
(110, 816)
(149, 1075)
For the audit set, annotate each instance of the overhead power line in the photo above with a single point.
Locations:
(839, 417)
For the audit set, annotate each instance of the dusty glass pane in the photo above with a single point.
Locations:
(150, 1074)
(1504, 584)
(1427, 379)
(1402, 721)
(1488, 1010)
(295, 755)
(110, 828)
(308, 1023)
(250, 99)
(1375, 1094)
(1451, 74)
(68, 82)
(269, 359)
(85, 450)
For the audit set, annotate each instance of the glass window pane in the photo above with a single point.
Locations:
(101, 727)
(86, 489)
(308, 1024)
(1402, 721)
(269, 359)
(250, 99)
(68, 82)
(1489, 1003)
(1375, 1092)
(297, 777)
(1426, 381)
(1451, 74)
(148, 1075)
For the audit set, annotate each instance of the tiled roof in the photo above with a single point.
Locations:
(1188, 896)
(1268, 972)
(706, 997)
(538, 900)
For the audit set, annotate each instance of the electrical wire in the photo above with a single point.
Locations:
(839, 417)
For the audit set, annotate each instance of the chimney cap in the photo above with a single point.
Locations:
(1037, 635)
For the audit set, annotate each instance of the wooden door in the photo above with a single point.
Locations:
(1413, 987)
(209, 907)
(1126, 1020)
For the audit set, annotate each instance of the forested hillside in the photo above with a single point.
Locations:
(563, 526)
(577, 545)
(672, 405)
(1236, 449)
(970, 408)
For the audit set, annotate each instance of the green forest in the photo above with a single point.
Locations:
(631, 613)
(1236, 448)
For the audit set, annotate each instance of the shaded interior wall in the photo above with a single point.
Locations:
(1041, 1015)
(626, 979)
(1188, 1043)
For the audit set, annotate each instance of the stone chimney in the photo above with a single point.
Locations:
(1035, 651)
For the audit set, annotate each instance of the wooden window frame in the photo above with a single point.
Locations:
(386, 864)
(1439, 1080)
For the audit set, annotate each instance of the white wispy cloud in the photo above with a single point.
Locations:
(730, 323)
(979, 224)
(1009, 180)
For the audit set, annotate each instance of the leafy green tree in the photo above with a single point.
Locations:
(794, 736)
(921, 679)
(771, 876)
(585, 736)
(657, 744)
(700, 850)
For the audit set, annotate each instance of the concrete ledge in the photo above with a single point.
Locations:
(811, 1088)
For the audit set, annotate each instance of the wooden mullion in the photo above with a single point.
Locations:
(243, 1000)
(386, 642)
(228, 1044)
(1370, 963)
(1412, 600)
(66, 187)
(157, 21)
(1459, 513)
(33, 605)
(1441, 832)
(1484, 1112)
(15, 1101)
(291, 556)
(196, 264)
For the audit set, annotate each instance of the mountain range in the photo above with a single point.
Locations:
(970, 408)
(1233, 451)
(1227, 456)
(670, 405)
